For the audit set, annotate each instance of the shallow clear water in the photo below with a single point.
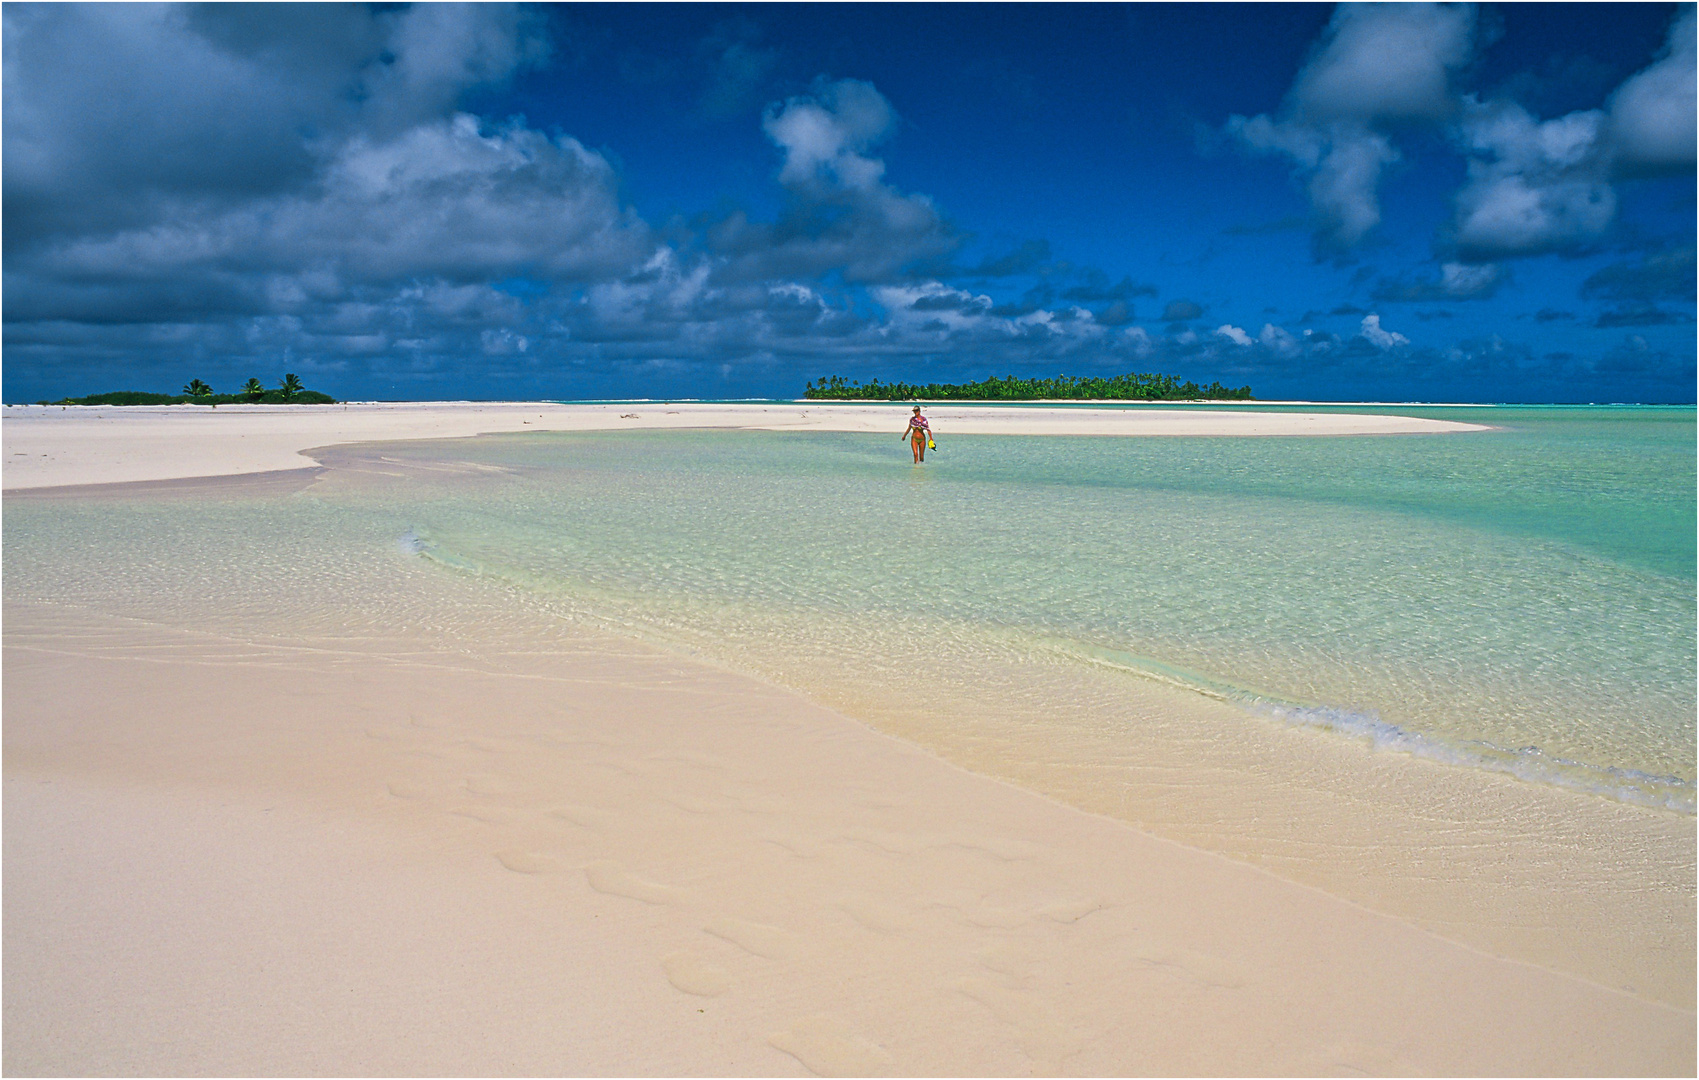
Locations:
(1519, 600)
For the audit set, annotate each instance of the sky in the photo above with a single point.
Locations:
(1401, 202)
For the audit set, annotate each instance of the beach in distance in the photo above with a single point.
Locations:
(719, 739)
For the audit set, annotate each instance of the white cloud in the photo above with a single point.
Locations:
(826, 137)
(1539, 186)
(1378, 67)
(1652, 114)
(1379, 338)
(1384, 64)
(1279, 340)
(1466, 281)
(1233, 334)
(843, 215)
(1533, 186)
(1457, 281)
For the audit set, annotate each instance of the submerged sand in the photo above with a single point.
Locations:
(266, 848)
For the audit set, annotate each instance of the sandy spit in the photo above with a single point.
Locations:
(53, 446)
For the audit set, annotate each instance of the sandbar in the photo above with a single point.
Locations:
(52, 446)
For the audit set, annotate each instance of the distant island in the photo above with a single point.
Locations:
(1130, 387)
(288, 392)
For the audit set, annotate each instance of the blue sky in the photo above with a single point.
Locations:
(1377, 202)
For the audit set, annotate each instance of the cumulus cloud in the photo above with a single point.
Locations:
(442, 200)
(1540, 186)
(1378, 337)
(1534, 185)
(1279, 340)
(841, 216)
(1652, 115)
(1234, 334)
(301, 182)
(1377, 68)
(1456, 281)
(1384, 64)
(826, 136)
(123, 115)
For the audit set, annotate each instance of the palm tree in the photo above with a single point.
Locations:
(291, 386)
(254, 390)
(196, 388)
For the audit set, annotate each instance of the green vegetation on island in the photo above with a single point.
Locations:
(288, 392)
(1130, 387)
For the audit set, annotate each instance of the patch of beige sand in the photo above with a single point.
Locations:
(53, 446)
(578, 855)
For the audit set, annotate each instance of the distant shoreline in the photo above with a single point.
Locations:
(1259, 403)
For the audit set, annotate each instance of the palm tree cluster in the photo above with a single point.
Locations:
(253, 389)
(197, 392)
(1134, 386)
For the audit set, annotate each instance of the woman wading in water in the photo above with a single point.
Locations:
(919, 435)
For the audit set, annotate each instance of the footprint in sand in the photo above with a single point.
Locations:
(888, 842)
(1191, 965)
(772, 942)
(489, 815)
(828, 1046)
(615, 880)
(495, 787)
(694, 975)
(1007, 958)
(803, 847)
(1070, 911)
(991, 917)
(690, 804)
(527, 862)
(996, 847)
(580, 815)
(1360, 1059)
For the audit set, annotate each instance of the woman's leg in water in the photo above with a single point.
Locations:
(919, 443)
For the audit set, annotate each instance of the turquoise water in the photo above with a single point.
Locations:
(1519, 600)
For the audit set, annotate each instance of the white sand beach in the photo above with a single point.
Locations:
(261, 847)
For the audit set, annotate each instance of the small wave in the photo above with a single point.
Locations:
(1528, 763)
